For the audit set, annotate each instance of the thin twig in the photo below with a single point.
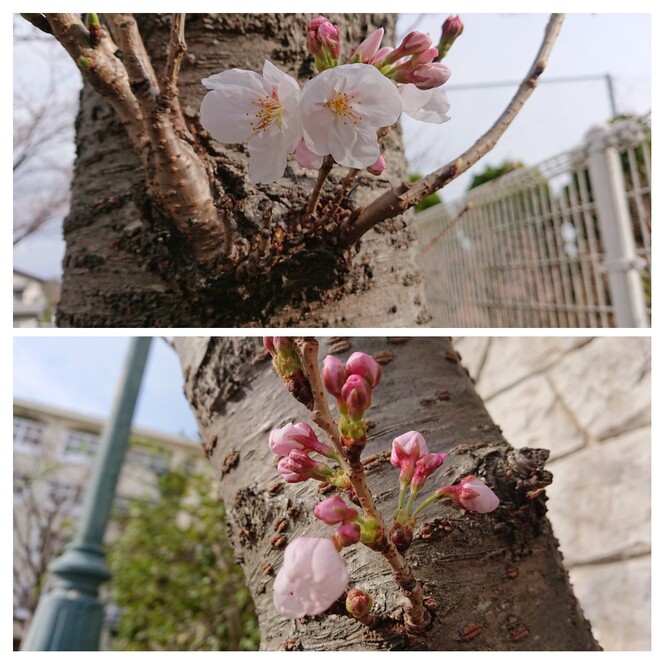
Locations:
(177, 49)
(416, 616)
(334, 205)
(397, 201)
(318, 186)
(125, 32)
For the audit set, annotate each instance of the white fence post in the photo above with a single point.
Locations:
(621, 259)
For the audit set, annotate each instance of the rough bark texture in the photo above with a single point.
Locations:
(125, 265)
(496, 581)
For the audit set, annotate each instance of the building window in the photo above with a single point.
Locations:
(157, 461)
(80, 446)
(28, 434)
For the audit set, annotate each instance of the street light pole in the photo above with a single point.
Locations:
(69, 617)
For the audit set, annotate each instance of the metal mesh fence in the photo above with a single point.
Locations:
(527, 249)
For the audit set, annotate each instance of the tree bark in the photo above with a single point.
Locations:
(495, 581)
(127, 266)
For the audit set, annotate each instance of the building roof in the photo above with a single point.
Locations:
(98, 423)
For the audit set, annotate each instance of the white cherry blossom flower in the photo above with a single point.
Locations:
(341, 110)
(424, 105)
(263, 110)
(311, 579)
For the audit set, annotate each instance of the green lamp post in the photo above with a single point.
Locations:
(69, 617)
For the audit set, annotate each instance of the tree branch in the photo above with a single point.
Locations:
(177, 49)
(176, 175)
(135, 58)
(397, 201)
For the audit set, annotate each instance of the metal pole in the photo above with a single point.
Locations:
(622, 262)
(69, 617)
(610, 92)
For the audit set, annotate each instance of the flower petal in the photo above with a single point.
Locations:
(424, 105)
(227, 113)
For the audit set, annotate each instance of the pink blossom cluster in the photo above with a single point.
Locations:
(351, 383)
(294, 444)
(314, 575)
(337, 113)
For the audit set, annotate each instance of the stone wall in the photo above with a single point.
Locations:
(587, 400)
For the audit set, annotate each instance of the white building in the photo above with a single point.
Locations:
(54, 452)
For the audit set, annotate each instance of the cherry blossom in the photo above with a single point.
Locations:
(424, 105)
(296, 437)
(298, 466)
(334, 375)
(356, 396)
(343, 108)
(407, 449)
(306, 158)
(263, 110)
(471, 493)
(425, 467)
(334, 510)
(363, 364)
(311, 579)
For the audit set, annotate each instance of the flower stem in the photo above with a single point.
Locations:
(325, 169)
(430, 499)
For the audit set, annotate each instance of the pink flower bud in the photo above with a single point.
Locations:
(368, 48)
(347, 535)
(415, 42)
(269, 345)
(306, 158)
(283, 343)
(365, 365)
(407, 449)
(381, 55)
(451, 29)
(425, 467)
(334, 375)
(334, 510)
(357, 395)
(311, 579)
(299, 466)
(359, 603)
(378, 167)
(472, 494)
(430, 76)
(296, 437)
(323, 40)
(423, 58)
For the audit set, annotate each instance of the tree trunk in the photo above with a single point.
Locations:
(496, 580)
(125, 265)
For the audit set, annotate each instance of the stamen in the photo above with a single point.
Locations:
(269, 110)
(341, 104)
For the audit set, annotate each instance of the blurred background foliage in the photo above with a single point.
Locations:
(175, 580)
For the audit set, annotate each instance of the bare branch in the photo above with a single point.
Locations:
(177, 49)
(103, 71)
(135, 59)
(176, 175)
(398, 200)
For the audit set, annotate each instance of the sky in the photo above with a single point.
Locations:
(81, 374)
(493, 48)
